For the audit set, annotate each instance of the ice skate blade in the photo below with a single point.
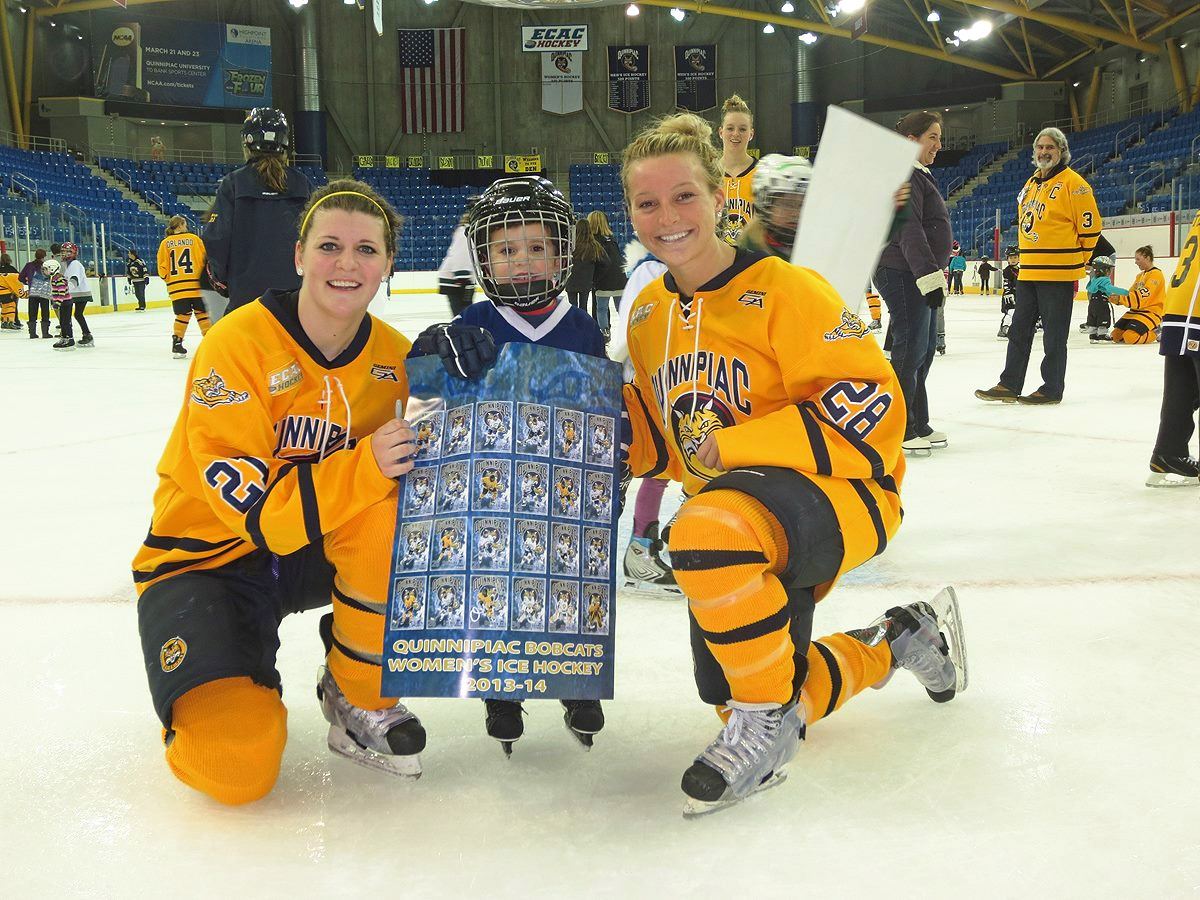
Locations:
(1170, 480)
(342, 744)
(921, 453)
(584, 738)
(945, 604)
(649, 587)
(694, 809)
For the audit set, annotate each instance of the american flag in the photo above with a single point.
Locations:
(431, 79)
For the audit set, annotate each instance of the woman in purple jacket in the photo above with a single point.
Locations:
(911, 281)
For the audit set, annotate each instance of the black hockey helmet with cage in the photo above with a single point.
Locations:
(522, 209)
(266, 130)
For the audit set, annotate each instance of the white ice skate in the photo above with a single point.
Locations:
(926, 638)
(388, 740)
(748, 756)
(917, 446)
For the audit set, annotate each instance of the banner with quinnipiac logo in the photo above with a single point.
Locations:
(503, 583)
(696, 76)
(562, 82)
(629, 78)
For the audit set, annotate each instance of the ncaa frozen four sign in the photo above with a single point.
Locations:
(555, 37)
(503, 582)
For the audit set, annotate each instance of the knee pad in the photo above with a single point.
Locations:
(227, 739)
(723, 543)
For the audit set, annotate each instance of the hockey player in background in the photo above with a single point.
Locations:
(521, 233)
(181, 262)
(1145, 301)
(1008, 291)
(1172, 463)
(1100, 290)
(277, 494)
(787, 443)
(736, 133)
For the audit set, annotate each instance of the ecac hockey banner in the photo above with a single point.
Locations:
(629, 78)
(696, 76)
(502, 568)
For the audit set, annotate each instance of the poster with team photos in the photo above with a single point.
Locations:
(502, 566)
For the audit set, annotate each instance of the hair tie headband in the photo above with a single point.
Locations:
(313, 208)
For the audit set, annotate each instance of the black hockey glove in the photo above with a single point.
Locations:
(935, 298)
(467, 351)
(626, 476)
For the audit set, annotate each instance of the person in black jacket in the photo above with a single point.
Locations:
(251, 234)
(587, 257)
(610, 275)
(137, 275)
(910, 278)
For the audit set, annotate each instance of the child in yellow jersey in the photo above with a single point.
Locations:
(277, 492)
(757, 389)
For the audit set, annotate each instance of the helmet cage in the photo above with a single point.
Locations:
(521, 235)
(780, 185)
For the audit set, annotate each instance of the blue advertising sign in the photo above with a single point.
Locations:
(182, 63)
(503, 579)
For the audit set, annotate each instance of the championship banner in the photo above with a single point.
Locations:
(502, 568)
(562, 82)
(629, 78)
(183, 63)
(696, 77)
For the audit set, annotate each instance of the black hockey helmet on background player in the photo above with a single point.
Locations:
(266, 131)
(780, 184)
(521, 233)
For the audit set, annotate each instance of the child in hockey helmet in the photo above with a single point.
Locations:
(780, 183)
(521, 237)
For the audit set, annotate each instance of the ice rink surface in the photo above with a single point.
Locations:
(1066, 770)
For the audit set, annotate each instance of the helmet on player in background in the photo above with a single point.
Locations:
(51, 266)
(1102, 265)
(521, 233)
(780, 183)
(266, 131)
(69, 251)
(1012, 253)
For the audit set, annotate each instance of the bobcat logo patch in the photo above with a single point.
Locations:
(170, 657)
(210, 391)
(694, 418)
(852, 327)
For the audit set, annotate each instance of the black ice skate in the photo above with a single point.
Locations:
(584, 719)
(177, 348)
(504, 722)
(64, 344)
(1173, 471)
(86, 341)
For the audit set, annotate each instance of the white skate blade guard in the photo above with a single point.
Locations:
(404, 766)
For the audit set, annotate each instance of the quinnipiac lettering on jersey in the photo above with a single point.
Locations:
(308, 438)
(729, 379)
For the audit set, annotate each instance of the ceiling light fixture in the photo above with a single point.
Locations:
(808, 37)
(768, 28)
(787, 8)
(632, 10)
(933, 16)
(677, 14)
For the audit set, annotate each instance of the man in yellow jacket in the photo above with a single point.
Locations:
(1058, 224)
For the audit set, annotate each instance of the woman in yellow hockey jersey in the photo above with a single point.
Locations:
(277, 492)
(1145, 301)
(763, 395)
(737, 131)
(181, 262)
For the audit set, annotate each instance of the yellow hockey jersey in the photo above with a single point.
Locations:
(272, 447)
(767, 357)
(1146, 295)
(181, 259)
(739, 204)
(1181, 310)
(1058, 224)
